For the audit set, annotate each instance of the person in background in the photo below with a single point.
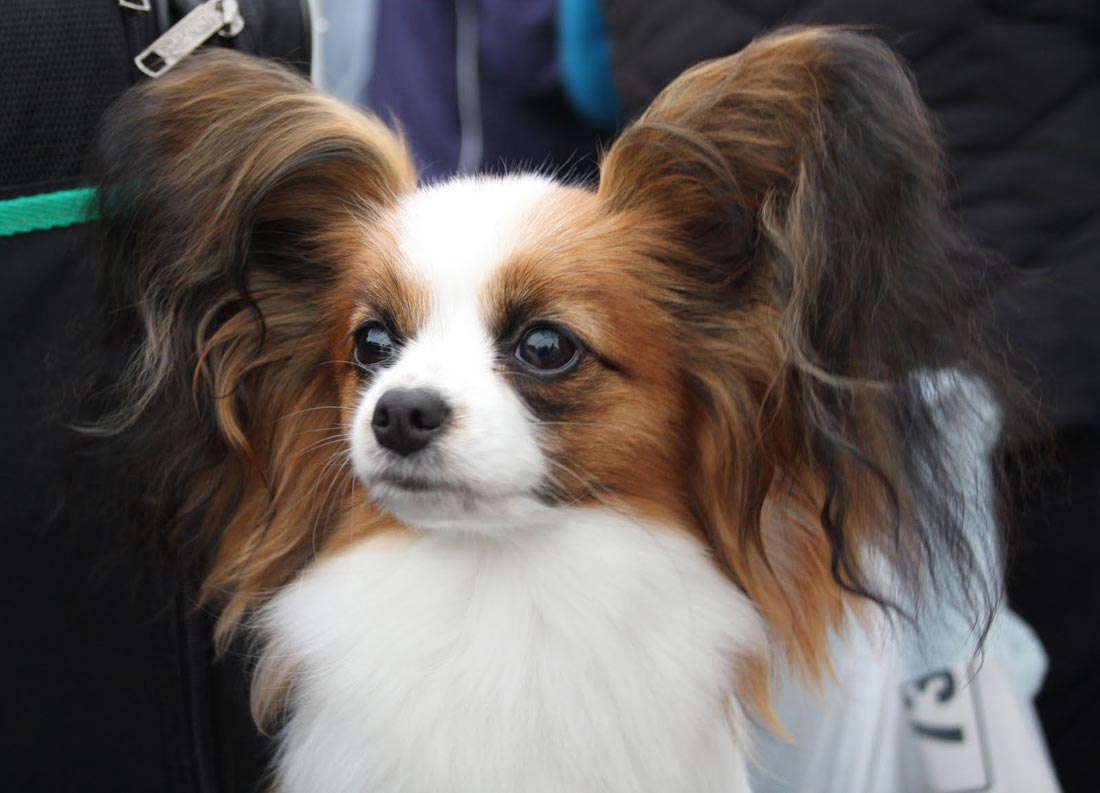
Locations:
(476, 86)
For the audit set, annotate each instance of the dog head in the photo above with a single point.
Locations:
(721, 337)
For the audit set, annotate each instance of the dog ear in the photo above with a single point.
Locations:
(222, 184)
(798, 188)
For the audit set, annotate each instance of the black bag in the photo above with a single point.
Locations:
(110, 679)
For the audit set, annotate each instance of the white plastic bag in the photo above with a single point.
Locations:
(925, 713)
(878, 728)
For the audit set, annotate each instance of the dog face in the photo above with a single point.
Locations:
(440, 437)
(518, 362)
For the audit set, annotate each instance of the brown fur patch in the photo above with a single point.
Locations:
(612, 428)
(789, 201)
(316, 503)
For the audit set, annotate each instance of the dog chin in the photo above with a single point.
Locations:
(457, 509)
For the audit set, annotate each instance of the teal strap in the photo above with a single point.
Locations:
(46, 211)
(584, 63)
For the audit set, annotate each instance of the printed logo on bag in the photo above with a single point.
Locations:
(944, 711)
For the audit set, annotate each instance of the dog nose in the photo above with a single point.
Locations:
(406, 419)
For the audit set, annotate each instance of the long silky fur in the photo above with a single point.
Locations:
(801, 189)
(218, 183)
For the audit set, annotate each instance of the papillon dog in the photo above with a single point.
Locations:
(524, 485)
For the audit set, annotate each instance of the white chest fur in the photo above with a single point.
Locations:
(595, 655)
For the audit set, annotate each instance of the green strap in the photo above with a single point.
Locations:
(46, 211)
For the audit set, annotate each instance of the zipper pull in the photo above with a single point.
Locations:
(190, 33)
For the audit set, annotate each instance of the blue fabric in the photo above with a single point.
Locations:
(413, 78)
(525, 118)
(584, 57)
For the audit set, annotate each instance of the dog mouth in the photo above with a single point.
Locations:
(430, 501)
(404, 483)
(390, 489)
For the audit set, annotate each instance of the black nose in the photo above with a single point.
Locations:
(406, 419)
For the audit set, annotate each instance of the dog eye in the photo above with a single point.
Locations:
(373, 344)
(548, 349)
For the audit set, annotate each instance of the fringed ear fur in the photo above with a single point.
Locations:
(221, 183)
(818, 276)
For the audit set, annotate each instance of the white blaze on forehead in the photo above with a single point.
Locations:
(454, 236)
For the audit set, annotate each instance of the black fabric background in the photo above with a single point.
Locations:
(110, 683)
(110, 678)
